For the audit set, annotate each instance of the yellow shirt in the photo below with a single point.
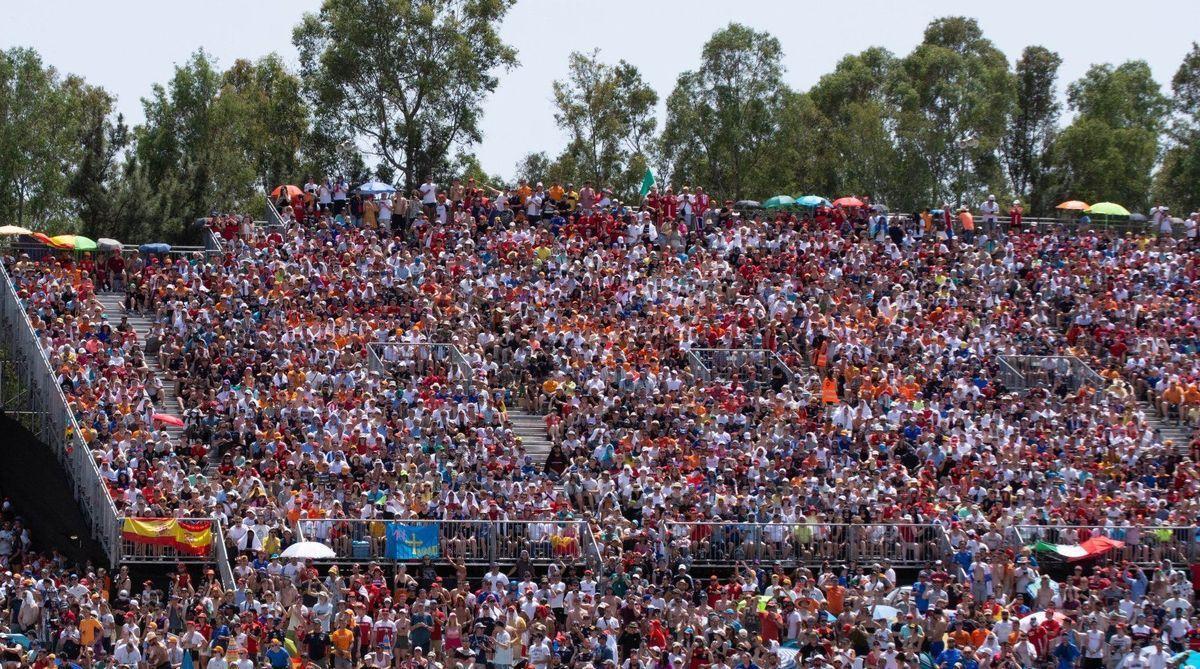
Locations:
(89, 631)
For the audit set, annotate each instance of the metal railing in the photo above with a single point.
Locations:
(212, 242)
(1144, 545)
(273, 219)
(48, 414)
(36, 399)
(221, 555)
(1019, 372)
(134, 550)
(471, 541)
(728, 543)
(405, 360)
(754, 367)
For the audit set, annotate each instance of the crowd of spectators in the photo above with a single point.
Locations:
(862, 417)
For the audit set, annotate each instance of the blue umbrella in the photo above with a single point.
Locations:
(375, 188)
(812, 201)
(157, 247)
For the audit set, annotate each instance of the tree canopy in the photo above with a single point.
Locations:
(395, 90)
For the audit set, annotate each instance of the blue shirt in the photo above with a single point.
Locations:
(278, 657)
(948, 658)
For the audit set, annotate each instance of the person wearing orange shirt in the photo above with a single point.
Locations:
(1191, 402)
(1170, 397)
(835, 598)
(342, 639)
(967, 221)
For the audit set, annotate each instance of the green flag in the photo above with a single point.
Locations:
(647, 182)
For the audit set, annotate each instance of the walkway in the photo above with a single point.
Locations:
(114, 309)
(1179, 435)
(531, 428)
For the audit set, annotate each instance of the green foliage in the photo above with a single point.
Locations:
(953, 93)
(213, 140)
(608, 110)
(1110, 149)
(1178, 181)
(39, 143)
(405, 83)
(1032, 126)
(407, 78)
(723, 115)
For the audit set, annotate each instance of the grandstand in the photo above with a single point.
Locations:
(769, 395)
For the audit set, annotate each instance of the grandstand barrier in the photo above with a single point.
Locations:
(212, 242)
(755, 367)
(170, 540)
(403, 359)
(273, 220)
(1020, 372)
(32, 395)
(471, 541)
(723, 544)
(1145, 546)
(29, 392)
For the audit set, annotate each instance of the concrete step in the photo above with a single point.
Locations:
(168, 403)
(531, 428)
(1179, 435)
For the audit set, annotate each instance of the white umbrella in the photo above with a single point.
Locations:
(106, 244)
(309, 550)
(884, 612)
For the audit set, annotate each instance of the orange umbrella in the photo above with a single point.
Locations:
(1077, 205)
(847, 202)
(43, 239)
(292, 191)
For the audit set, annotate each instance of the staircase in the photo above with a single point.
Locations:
(531, 428)
(114, 310)
(1180, 435)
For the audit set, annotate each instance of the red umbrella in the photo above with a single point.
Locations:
(292, 191)
(167, 420)
(847, 202)
(43, 239)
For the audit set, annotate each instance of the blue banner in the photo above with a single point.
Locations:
(406, 541)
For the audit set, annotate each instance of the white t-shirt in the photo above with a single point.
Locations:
(497, 583)
(428, 193)
(539, 654)
(989, 210)
(503, 656)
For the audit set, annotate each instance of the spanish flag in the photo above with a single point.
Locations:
(189, 537)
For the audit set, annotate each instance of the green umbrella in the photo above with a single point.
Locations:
(812, 201)
(1107, 209)
(75, 242)
(780, 201)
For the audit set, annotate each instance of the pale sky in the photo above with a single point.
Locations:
(127, 45)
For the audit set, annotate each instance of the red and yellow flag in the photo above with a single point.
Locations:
(189, 537)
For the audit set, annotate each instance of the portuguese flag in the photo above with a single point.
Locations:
(189, 537)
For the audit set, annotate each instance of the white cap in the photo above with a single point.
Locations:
(991, 198)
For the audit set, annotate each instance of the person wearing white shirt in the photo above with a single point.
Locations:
(539, 651)
(127, 653)
(990, 210)
(503, 644)
(429, 196)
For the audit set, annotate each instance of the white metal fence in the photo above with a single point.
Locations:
(728, 543)
(471, 541)
(1144, 545)
(37, 400)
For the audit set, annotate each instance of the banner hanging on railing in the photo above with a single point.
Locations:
(406, 541)
(187, 537)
